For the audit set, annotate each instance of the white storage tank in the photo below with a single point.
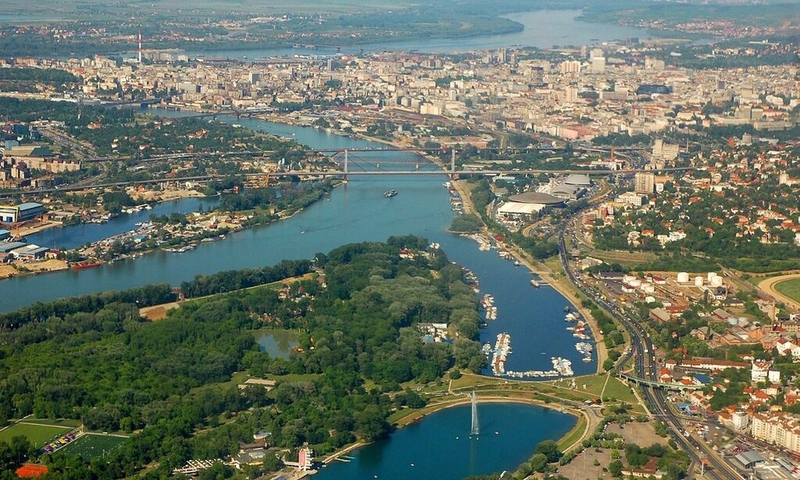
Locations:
(683, 277)
(711, 276)
(698, 281)
(716, 281)
(649, 299)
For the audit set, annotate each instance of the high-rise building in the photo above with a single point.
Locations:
(571, 94)
(644, 182)
(570, 66)
(598, 64)
(780, 429)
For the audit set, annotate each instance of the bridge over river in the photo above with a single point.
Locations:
(361, 162)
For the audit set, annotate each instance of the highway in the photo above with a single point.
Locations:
(645, 367)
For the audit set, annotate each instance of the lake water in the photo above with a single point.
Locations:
(440, 448)
(277, 343)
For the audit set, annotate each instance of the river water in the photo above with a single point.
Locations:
(356, 212)
(353, 212)
(542, 29)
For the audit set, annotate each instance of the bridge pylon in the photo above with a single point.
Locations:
(453, 163)
(345, 165)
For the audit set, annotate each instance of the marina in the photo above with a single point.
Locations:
(562, 367)
(487, 302)
(348, 214)
(502, 348)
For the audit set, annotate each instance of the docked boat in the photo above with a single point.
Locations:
(85, 265)
(502, 348)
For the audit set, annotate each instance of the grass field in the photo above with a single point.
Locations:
(790, 288)
(93, 445)
(37, 434)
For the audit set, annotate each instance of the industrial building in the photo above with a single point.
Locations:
(21, 212)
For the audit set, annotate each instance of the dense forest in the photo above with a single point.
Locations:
(356, 318)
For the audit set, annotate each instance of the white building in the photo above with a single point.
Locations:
(781, 429)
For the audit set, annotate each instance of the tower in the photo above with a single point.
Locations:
(140, 45)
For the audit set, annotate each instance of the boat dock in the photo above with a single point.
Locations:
(501, 350)
(561, 368)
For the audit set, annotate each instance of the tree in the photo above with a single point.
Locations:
(549, 449)
(218, 471)
(615, 468)
(539, 462)
(271, 462)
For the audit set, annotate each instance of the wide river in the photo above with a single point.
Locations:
(541, 29)
(356, 212)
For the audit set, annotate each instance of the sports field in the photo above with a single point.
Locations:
(93, 445)
(784, 288)
(37, 434)
(790, 288)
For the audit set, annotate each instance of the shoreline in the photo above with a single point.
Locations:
(558, 284)
(463, 400)
(10, 271)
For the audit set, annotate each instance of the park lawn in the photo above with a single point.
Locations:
(38, 435)
(620, 390)
(790, 288)
(93, 445)
(615, 388)
(577, 432)
(58, 422)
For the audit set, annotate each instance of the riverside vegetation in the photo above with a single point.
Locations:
(173, 383)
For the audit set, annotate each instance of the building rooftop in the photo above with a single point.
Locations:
(578, 179)
(29, 205)
(750, 457)
(536, 197)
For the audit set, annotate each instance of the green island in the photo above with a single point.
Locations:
(172, 389)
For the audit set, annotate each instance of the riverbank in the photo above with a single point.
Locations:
(549, 277)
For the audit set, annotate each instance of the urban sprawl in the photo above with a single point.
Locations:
(674, 192)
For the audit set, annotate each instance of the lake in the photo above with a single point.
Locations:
(440, 448)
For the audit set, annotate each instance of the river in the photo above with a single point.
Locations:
(542, 29)
(354, 212)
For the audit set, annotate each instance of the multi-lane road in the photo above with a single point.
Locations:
(645, 367)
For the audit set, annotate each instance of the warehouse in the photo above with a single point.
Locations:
(21, 212)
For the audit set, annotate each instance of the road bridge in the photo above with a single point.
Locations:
(248, 112)
(656, 384)
(379, 162)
